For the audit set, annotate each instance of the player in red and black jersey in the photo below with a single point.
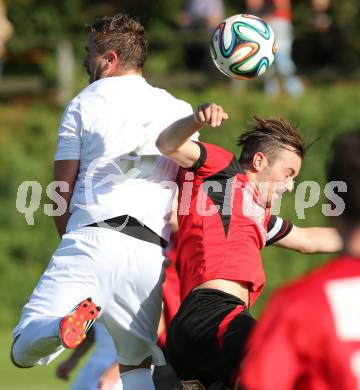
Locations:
(224, 221)
(309, 335)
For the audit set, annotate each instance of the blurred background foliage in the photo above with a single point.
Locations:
(40, 23)
(328, 63)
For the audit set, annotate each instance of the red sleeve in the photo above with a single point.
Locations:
(272, 361)
(212, 159)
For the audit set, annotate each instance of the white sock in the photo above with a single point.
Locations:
(138, 379)
(38, 343)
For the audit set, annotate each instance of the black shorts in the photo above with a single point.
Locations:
(206, 339)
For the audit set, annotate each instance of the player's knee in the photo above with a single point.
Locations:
(16, 357)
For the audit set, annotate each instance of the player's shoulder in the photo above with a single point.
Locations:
(215, 162)
(215, 151)
(105, 96)
(220, 157)
(119, 87)
(72, 110)
(164, 97)
(91, 88)
(92, 94)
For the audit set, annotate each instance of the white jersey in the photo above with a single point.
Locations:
(111, 127)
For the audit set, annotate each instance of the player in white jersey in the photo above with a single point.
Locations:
(118, 191)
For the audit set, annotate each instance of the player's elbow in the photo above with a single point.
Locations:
(164, 146)
(307, 246)
(306, 249)
(160, 145)
(305, 243)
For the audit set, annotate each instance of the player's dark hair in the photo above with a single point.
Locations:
(124, 35)
(345, 166)
(269, 136)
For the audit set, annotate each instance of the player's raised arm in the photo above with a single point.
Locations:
(174, 141)
(312, 240)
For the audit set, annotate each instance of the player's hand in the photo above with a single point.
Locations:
(64, 369)
(210, 114)
(110, 378)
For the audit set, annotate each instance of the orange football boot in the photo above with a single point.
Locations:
(73, 327)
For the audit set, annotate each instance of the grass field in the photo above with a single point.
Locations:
(37, 378)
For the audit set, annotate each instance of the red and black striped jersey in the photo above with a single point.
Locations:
(223, 223)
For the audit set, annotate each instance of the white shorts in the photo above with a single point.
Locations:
(120, 273)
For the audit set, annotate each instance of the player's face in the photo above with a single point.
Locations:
(280, 174)
(94, 63)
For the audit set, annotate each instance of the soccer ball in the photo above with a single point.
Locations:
(243, 46)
